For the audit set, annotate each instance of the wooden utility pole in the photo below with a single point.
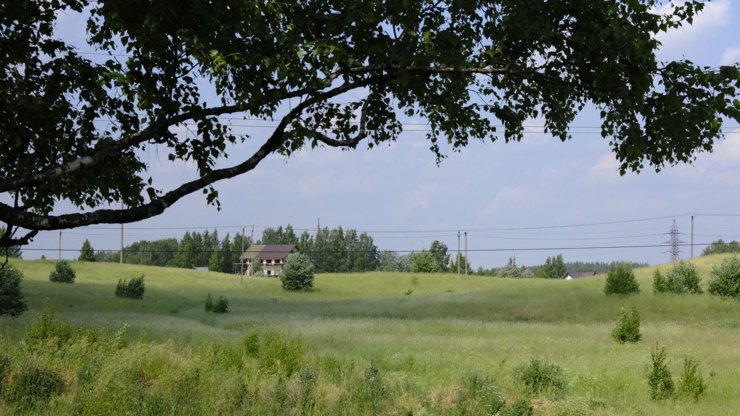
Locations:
(692, 236)
(466, 253)
(241, 261)
(120, 260)
(458, 253)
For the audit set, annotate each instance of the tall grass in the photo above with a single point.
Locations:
(423, 347)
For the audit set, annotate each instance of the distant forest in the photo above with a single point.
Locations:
(720, 247)
(331, 250)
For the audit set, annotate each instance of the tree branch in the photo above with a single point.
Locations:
(156, 206)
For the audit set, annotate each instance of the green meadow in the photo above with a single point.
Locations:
(373, 343)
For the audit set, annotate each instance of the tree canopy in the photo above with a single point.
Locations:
(78, 119)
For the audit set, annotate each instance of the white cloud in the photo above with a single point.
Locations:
(714, 16)
(511, 199)
(606, 169)
(730, 56)
(728, 150)
(421, 197)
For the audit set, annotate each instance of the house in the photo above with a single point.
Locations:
(577, 275)
(270, 257)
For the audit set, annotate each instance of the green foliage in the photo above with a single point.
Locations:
(725, 278)
(215, 263)
(627, 328)
(691, 383)
(521, 407)
(33, 385)
(721, 247)
(683, 278)
(634, 94)
(5, 368)
(279, 355)
(621, 281)
(660, 284)
(252, 344)
(133, 288)
(390, 261)
(540, 376)
(209, 303)
(47, 331)
(63, 273)
(425, 262)
(439, 250)
(297, 273)
(660, 380)
(11, 298)
(478, 395)
(554, 267)
(221, 305)
(86, 252)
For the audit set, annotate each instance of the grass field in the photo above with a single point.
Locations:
(422, 338)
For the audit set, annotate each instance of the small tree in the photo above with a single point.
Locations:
(63, 273)
(425, 262)
(86, 252)
(11, 298)
(725, 278)
(660, 284)
(691, 383)
(215, 263)
(683, 278)
(554, 267)
(621, 281)
(297, 273)
(660, 379)
(628, 326)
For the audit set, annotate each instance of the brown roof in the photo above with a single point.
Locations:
(269, 251)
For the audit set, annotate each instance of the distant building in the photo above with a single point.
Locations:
(271, 258)
(578, 275)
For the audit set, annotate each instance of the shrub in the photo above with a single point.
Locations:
(660, 379)
(725, 278)
(278, 355)
(683, 278)
(133, 288)
(62, 273)
(692, 383)
(33, 383)
(660, 285)
(478, 395)
(628, 326)
(425, 262)
(221, 305)
(47, 331)
(11, 298)
(209, 303)
(298, 272)
(252, 344)
(539, 376)
(521, 407)
(621, 281)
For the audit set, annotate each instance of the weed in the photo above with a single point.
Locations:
(540, 376)
(479, 395)
(209, 303)
(33, 383)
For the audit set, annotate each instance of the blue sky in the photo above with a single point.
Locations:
(406, 201)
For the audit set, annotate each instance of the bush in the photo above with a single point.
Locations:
(660, 285)
(62, 273)
(33, 383)
(660, 379)
(628, 326)
(11, 298)
(725, 278)
(133, 288)
(621, 281)
(298, 272)
(539, 376)
(683, 278)
(478, 396)
(221, 305)
(425, 262)
(691, 383)
(209, 303)
(46, 331)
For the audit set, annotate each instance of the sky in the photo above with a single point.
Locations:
(528, 200)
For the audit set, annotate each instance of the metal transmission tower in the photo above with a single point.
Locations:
(675, 242)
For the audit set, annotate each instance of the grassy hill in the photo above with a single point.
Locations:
(423, 338)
